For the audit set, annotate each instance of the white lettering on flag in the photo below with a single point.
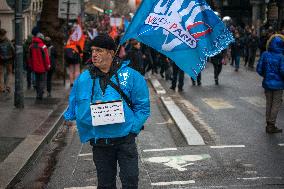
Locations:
(174, 28)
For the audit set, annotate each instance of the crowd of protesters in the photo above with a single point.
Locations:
(247, 46)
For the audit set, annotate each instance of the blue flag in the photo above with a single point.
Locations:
(186, 31)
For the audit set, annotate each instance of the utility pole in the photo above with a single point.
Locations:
(67, 30)
(19, 92)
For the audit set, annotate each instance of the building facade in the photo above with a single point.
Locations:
(252, 12)
(30, 17)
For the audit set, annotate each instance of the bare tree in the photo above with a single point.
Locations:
(52, 26)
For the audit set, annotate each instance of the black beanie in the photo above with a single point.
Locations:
(104, 41)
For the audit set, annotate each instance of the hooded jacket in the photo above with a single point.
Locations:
(132, 84)
(38, 58)
(271, 64)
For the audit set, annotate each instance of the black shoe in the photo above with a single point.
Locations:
(180, 90)
(173, 88)
(199, 83)
(193, 83)
(216, 82)
(273, 129)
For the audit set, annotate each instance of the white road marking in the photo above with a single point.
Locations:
(281, 144)
(256, 101)
(188, 131)
(158, 87)
(83, 155)
(166, 122)
(259, 178)
(228, 146)
(85, 187)
(217, 103)
(248, 165)
(250, 172)
(173, 183)
(178, 162)
(160, 150)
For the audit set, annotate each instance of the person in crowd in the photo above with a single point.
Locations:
(177, 73)
(198, 79)
(7, 54)
(271, 68)
(253, 44)
(53, 61)
(136, 57)
(245, 40)
(26, 47)
(237, 47)
(164, 63)
(39, 63)
(73, 53)
(110, 81)
(217, 64)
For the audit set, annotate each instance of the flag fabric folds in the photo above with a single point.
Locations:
(77, 38)
(186, 31)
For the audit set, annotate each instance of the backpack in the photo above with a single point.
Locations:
(6, 51)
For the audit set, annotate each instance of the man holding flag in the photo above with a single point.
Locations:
(74, 51)
(186, 31)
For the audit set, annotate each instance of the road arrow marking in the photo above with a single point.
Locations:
(178, 162)
(281, 144)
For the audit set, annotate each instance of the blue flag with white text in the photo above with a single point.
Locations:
(186, 31)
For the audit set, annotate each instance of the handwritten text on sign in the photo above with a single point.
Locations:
(107, 113)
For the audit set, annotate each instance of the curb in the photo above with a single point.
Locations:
(18, 161)
(191, 135)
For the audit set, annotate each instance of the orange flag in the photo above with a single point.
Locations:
(77, 38)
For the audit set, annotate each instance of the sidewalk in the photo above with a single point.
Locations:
(22, 132)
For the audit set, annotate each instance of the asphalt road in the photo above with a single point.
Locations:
(231, 119)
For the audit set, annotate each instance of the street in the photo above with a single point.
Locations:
(229, 117)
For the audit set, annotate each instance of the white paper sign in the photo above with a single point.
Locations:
(105, 113)
(115, 21)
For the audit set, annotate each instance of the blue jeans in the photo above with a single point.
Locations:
(237, 62)
(107, 156)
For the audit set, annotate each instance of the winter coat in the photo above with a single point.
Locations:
(136, 59)
(39, 60)
(52, 57)
(132, 84)
(236, 48)
(7, 51)
(271, 64)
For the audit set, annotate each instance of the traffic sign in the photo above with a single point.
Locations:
(25, 4)
(74, 9)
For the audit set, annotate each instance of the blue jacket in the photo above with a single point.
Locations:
(271, 64)
(133, 85)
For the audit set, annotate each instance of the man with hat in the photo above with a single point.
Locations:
(110, 103)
